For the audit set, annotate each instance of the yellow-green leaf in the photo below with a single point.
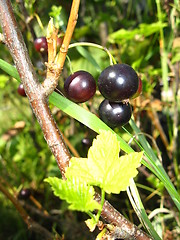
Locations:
(104, 167)
(78, 194)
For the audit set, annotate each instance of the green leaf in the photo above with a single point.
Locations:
(78, 194)
(143, 30)
(59, 17)
(104, 167)
(149, 29)
(123, 34)
(155, 165)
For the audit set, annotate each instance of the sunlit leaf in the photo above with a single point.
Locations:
(122, 34)
(78, 194)
(149, 29)
(143, 30)
(104, 167)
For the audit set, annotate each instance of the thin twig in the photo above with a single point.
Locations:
(55, 68)
(155, 120)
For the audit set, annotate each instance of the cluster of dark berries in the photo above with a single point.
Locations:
(117, 84)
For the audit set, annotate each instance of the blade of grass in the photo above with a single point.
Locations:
(141, 213)
(9, 69)
(158, 169)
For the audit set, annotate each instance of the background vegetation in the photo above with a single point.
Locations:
(143, 34)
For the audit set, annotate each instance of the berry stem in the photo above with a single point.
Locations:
(87, 44)
(39, 21)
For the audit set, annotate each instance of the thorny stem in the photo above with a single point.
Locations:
(37, 98)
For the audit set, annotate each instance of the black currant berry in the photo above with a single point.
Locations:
(118, 82)
(115, 114)
(59, 41)
(87, 142)
(138, 92)
(40, 44)
(24, 193)
(80, 86)
(21, 91)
